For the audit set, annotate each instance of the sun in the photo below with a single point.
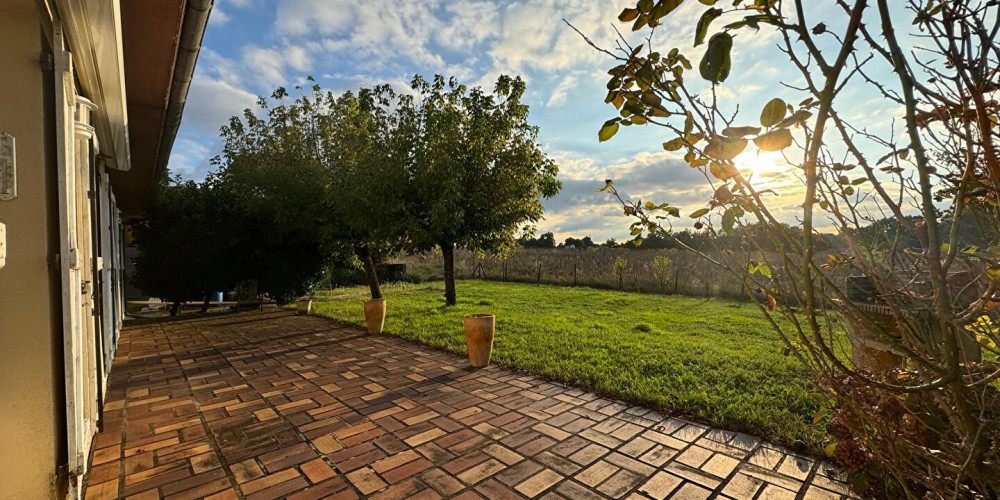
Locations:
(760, 165)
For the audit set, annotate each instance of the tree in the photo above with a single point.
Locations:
(546, 240)
(584, 242)
(272, 188)
(174, 241)
(476, 172)
(927, 427)
(365, 154)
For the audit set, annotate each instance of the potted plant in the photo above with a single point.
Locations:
(479, 331)
(304, 304)
(375, 315)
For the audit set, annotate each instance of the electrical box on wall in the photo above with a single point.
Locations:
(8, 168)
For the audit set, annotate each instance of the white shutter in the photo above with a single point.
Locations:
(79, 428)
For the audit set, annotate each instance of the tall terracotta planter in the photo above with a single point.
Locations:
(304, 306)
(375, 315)
(479, 330)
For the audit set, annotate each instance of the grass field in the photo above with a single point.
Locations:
(712, 360)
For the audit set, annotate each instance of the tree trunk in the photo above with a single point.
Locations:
(365, 255)
(175, 308)
(448, 252)
(205, 303)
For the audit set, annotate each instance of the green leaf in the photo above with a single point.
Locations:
(699, 213)
(662, 8)
(609, 130)
(724, 148)
(715, 63)
(776, 140)
(764, 269)
(830, 448)
(773, 112)
(703, 24)
(993, 273)
(729, 219)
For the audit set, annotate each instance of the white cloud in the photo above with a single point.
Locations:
(561, 92)
(266, 65)
(218, 17)
(297, 58)
(212, 102)
(187, 156)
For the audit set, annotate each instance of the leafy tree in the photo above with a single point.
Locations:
(476, 172)
(174, 240)
(546, 240)
(365, 153)
(584, 242)
(272, 187)
(928, 426)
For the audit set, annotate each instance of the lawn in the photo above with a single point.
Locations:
(712, 360)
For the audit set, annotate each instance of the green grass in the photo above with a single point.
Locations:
(712, 360)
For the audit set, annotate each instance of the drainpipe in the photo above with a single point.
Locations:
(196, 14)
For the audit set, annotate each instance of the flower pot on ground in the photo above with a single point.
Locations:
(304, 306)
(375, 315)
(479, 330)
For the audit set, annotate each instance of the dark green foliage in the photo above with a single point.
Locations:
(176, 243)
(546, 240)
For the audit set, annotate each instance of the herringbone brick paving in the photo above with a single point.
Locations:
(272, 405)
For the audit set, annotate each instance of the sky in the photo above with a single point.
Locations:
(253, 46)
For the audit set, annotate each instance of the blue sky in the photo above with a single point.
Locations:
(252, 46)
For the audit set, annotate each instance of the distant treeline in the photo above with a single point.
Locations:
(879, 234)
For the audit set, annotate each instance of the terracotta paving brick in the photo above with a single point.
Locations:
(538, 483)
(366, 481)
(661, 485)
(317, 470)
(269, 404)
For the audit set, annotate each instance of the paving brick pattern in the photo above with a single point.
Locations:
(272, 405)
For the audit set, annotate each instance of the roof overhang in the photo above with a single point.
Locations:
(94, 35)
(161, 40)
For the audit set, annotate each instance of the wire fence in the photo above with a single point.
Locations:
(672, 271)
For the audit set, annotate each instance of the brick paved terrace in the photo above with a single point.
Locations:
(272, 405)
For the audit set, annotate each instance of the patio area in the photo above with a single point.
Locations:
(271, 405)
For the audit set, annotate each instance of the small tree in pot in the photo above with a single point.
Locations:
(357, 141)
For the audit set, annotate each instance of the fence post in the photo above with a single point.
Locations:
(538, 279)
(676, 273)
(574, 273)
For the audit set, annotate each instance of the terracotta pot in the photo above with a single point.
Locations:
(375, 315)
(304, 306)
(479, 330)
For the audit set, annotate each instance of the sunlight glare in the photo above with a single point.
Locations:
(761, 165)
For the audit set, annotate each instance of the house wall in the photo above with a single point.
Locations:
(32, 414)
